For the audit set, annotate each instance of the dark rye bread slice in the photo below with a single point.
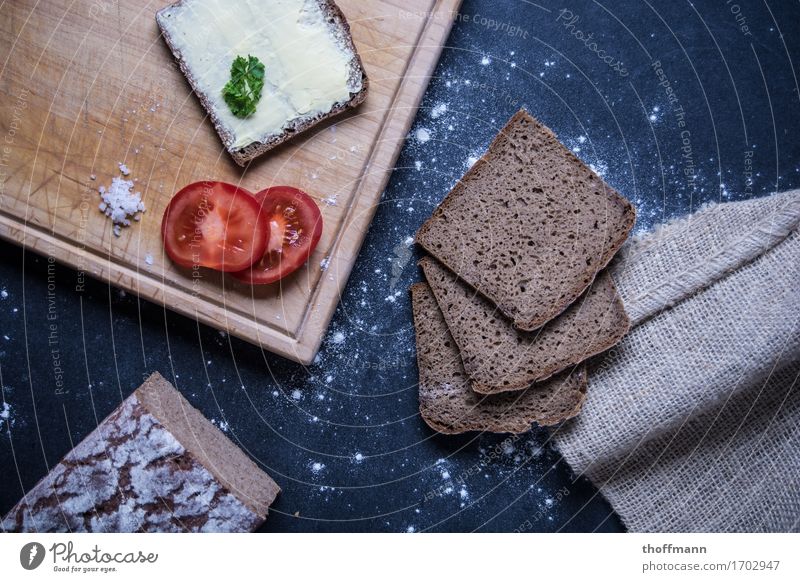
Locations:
(529, 225)
(499, 358)
(341, 29)
(154, 464)
(448, 404)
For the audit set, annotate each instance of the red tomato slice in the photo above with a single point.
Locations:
(295, 227)
(216, 225)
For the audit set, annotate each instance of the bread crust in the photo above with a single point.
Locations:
(460, 409)
(519, 380)
(243, 156)
(506, 307)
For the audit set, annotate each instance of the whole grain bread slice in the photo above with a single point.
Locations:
(448, 404)
(499, 358)
(242, 156)
(529, 226)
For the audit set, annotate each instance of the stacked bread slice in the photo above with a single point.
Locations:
(516, 298)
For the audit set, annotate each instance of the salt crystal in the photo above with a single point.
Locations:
(120, 203)
(124, 169)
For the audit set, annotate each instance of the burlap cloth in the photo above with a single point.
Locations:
(692, 423)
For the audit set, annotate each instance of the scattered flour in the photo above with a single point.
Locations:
(338, 337)
(486, 61)
(471, 161)
(148, 260)
(423, 135)
(418, 165)
(221, 424)
(296, 394)
(317, 467)
(5, 416)
(358, 457)
(3, 294)
(599, 168)
(438, 110)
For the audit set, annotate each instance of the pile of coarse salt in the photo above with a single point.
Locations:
(120, 203)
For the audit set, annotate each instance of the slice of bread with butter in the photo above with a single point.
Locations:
(311, 68)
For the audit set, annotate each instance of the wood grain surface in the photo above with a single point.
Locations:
(89, 84)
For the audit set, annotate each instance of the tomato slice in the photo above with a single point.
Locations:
(216, 225)
(295, 227)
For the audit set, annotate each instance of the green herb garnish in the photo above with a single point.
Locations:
(243, 91)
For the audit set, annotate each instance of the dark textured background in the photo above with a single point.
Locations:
(343, 437)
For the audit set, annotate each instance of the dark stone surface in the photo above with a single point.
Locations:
(306, 426)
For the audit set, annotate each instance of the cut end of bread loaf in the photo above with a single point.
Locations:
(339, 27)
(529, 226)
(499, 358)
(449, 405)
(155, 464)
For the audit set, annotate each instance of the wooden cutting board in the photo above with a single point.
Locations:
(89, 84)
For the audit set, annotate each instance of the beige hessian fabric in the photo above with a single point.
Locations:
(692, 423)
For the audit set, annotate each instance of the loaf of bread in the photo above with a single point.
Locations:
(529, 226)
(155, 464)
(448, 404)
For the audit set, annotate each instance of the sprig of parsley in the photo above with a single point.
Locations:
(243, 91)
